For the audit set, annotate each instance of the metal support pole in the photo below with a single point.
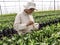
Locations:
(19, 6)
(42, 5)
(54, 5)
(5, 7)
(0, 10)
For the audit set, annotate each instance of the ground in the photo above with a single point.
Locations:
(49, 35)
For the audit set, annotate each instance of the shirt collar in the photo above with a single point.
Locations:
(26, 13)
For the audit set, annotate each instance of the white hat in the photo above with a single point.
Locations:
(30, 5)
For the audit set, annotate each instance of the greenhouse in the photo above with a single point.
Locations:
(16, 17)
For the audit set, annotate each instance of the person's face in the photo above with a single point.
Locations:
(29, 11)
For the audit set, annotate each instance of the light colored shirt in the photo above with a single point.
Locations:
(21, 21)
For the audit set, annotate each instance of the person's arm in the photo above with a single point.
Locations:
(35, 25)
(18, 25)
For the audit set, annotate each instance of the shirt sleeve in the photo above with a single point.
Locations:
(18, 25)
(36, 25)
(22, 26)
(31, 18)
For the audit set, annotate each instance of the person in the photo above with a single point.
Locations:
(24, 21)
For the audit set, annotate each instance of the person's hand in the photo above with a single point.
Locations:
(30, 23)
